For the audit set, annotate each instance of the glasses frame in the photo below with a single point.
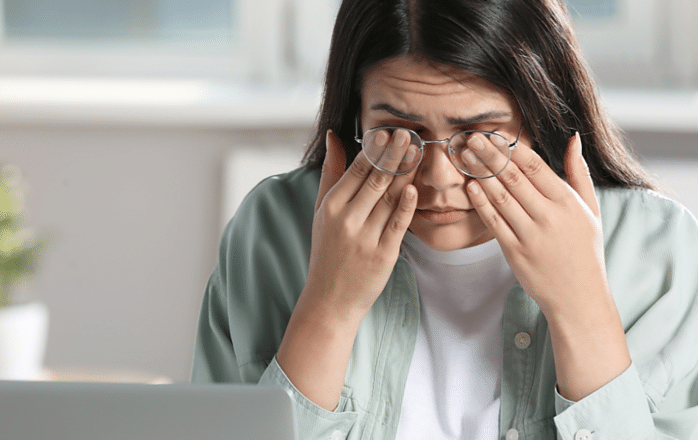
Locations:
(451, 151)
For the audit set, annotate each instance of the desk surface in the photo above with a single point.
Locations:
(104, 376)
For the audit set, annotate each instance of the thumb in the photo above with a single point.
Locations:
(333, 166)
(578, 175)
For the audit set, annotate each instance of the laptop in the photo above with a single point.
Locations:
(109, 411)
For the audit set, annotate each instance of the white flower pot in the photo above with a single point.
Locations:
(23, 334)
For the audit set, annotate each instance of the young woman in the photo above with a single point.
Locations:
(469, 251)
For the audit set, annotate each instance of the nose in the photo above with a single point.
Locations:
(437, 171)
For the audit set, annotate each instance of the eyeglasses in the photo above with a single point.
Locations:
(395, 158)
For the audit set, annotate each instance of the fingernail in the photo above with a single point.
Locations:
(410, 193)
(579, 143)
(381, 138)
(402, 137)
(473, 187)
(327, 139)
(499, 142)
(410, 155)
(469, 156)
(476, 143)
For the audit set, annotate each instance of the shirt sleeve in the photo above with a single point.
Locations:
(313, 422)
(214, 355)
(250, 296)
(618, 410)
(657, 396)
(215, 361)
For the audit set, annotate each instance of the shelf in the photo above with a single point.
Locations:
(207, 104)
(148, 102)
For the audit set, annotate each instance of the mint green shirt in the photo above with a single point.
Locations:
(651, 246)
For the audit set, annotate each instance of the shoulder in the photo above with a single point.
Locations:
(643, 210)
(643, 228)
(272, 228)
(650, 244)
(651, 253)
(294, 190)
(300, 184)
(284, 201)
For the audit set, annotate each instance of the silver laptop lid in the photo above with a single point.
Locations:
(90, 411)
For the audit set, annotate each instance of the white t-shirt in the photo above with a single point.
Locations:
(453, 386)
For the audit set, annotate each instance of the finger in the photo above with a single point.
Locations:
(515, 208)
(540, 174)
(389, 202)
(392, 152)
(332, 167)
(400, 219)
(377, 184)
(510, 192)
(491, 152)
(355, 178)
(372, 189)
(578, 175)
(513, 181)
(492, 218)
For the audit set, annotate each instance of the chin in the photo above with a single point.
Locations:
(452, 236)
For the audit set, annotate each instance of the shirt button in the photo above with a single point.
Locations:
(583, 434)
(522, 340)
(512, 434)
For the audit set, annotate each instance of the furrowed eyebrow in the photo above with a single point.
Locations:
(397, 113)
(482, 117)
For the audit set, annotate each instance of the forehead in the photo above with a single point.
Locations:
(414, 84)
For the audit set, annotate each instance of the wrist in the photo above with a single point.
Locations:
(334, 305)
(589, 347)
(316, 348)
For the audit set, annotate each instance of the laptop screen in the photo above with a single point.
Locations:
(93, 411)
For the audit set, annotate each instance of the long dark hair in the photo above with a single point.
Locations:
(526, 48)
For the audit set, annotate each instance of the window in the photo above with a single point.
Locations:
(629, 43)
(258, 40)
(639, 43)
(207, 22)
(593, 9)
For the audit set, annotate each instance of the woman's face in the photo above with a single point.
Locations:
(436, 104)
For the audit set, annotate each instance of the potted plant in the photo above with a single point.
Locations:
(23, 324)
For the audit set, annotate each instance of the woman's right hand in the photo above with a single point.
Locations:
(361, 216)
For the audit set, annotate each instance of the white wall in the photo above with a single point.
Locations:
(136, 217)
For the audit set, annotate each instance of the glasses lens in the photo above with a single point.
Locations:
(392, 150)
(468, 162)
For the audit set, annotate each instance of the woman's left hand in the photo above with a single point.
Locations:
(549, 229)
(550, 233)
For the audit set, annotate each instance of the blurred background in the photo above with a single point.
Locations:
(138, 125)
